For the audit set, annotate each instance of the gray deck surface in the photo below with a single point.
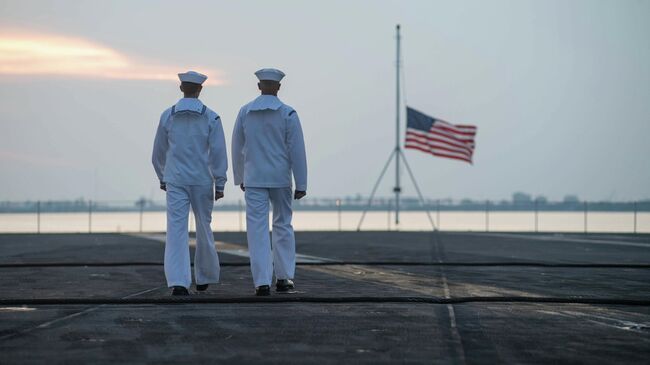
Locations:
(385, 297)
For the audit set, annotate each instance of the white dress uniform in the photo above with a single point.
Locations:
(267, 147)
(189, 156)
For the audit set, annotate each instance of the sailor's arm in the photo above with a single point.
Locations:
(218, 156)
(238, 141)
(160, 146)
(297, 154)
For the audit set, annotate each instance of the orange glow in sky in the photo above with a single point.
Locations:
(45, 55)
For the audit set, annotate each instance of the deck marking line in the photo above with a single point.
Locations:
(562, 239)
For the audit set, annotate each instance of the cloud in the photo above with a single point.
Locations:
(48, 55)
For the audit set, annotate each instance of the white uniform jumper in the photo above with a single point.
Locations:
(189, 155)
(267, 146)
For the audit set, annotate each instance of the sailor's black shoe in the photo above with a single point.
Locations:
(180, 291)
(201, 287)
(263, 290)
(284, 285)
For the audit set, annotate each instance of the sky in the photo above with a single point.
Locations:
(559, 91)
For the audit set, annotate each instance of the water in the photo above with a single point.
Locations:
(619, 222)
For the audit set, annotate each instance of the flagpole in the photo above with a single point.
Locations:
(398, 151)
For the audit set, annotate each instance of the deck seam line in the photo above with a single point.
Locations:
(340, 263)
(450, 308)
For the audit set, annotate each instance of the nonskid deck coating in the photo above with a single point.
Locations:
(360, 332)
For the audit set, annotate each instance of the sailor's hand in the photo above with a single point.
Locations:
(299, 194)
(241, 186)
(163, 186)
(218, 195)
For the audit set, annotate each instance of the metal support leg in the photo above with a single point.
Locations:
(374, 189)
(417, 189)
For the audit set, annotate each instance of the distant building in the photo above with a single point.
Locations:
(521, 198)
(466, 201)
(571, 199)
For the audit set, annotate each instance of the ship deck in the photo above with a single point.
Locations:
(362, 297)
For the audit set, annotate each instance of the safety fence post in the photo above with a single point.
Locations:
(141, 214)
(586, 214)
(90, 216)
(338, 208)
(487, 216)
(438, 214)
(635, 210)
(38, 217)
(536, 216)
(390, 207)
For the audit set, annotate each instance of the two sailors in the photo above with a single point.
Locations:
(189, 157)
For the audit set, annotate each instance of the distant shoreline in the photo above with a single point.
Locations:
(326, 205)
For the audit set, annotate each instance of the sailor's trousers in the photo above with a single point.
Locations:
(270, 255)
(177, 253)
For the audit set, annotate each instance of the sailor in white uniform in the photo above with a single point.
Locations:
(267, 148)
(189, 156)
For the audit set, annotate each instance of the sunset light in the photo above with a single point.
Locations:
(44, 55)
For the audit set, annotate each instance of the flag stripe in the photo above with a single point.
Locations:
(457, 131)
(459, 138)
(441, 149)
(451, 156)
(441, 145)
(419, 134)
(427, 150)
(454, 128)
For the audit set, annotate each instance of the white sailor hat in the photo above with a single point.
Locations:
(272, 74)
(193, 77)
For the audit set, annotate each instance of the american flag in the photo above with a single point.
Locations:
(438, 137)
